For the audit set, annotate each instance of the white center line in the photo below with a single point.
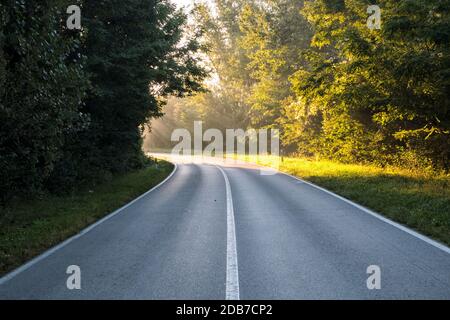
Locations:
(232, 285)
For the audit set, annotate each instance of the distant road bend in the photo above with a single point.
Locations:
(227, 232)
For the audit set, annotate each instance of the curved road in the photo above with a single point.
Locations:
(216, 232)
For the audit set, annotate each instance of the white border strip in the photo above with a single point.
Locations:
(49, 252)
(232, 285)
(376, 215)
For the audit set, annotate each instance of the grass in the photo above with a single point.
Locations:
(416, 199)
(28, 228)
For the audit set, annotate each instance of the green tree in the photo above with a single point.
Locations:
(274, 36)
(42, 87)
(73, 103)
(383, 93)
(137, 53)
(226, 104)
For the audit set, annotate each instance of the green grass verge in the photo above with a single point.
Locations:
(28, 228)
(416, 199)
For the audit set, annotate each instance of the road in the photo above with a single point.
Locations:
(216, 232)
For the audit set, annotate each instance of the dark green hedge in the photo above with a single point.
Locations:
(72, 102)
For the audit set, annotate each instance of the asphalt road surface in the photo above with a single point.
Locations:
(228, 232)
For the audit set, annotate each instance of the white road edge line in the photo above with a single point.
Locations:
(232, 284)
(376, 215)
(49, 252)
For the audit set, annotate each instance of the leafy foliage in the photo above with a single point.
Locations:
(73, 103)
(43, 85)
(274, 35)
(226, 103)
(336, 88)
(384, 94)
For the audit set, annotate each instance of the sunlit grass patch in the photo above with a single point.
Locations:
(417, 199)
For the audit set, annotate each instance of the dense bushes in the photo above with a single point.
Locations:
(384, 93)
(72, 102)
(42, 88)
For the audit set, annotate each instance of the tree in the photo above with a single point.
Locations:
(73, 103)
(138, 53)
(382, 95)
(274, 36)
(42, 87)
(226, 105)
